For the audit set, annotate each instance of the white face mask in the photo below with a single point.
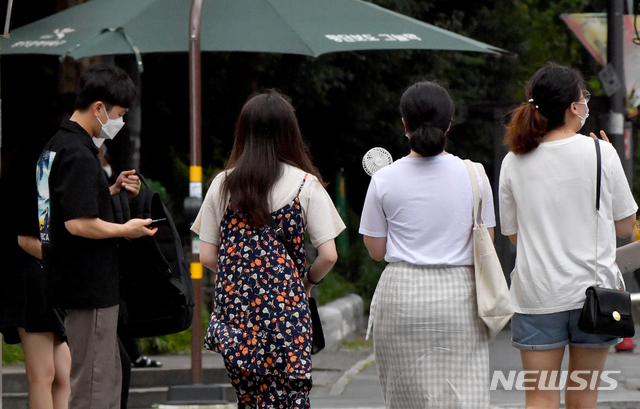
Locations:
(111, 128)
(586, 114)
(98, 142)
(107, 169)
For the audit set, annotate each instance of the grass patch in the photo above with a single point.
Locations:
(358, 343)
(12, 354)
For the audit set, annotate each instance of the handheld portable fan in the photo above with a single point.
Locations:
(376, 159)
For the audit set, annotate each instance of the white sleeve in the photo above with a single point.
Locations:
(373, 222)
(323, 222)
(489, 212)
(508, 210)
(207, 223)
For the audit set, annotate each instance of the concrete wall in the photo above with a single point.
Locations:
(342, 319)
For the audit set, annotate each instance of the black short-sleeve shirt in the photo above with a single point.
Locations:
(79, 272)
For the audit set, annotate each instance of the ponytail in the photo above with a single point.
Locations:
(427, 111)
(525, 129)
(551, 90)
(428, 140)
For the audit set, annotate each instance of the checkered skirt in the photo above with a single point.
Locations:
(430, 347)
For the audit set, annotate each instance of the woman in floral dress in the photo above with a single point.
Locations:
(261, 322)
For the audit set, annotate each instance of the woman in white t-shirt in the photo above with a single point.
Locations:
(547, 208)
(430, 346)
(261, 322)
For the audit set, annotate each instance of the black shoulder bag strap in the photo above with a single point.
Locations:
(598, 183)
(599, 174)
(318, 342)
(292, 254)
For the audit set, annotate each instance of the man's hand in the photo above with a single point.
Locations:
(135, 228)
(127, 180)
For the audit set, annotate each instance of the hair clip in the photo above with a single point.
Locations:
(533, 102)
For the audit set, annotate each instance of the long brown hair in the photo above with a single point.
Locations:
(267, 135)
(550, 92)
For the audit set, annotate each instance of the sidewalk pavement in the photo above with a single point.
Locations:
(347, 377)
(363, 390)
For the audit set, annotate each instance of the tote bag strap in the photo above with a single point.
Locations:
(598, 182)
(477, 204)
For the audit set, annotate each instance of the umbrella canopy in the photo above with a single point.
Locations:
(307, 27)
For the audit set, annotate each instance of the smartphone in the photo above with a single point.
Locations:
(156, 221)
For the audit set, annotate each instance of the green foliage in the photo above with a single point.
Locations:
(157, 186)
(179, 343)
(347, 103)
(12, 354)
(334, 286)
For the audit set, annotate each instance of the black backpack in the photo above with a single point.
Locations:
(155, 282)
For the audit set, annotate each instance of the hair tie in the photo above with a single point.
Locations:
(533, 102)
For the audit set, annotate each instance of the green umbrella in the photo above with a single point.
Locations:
(307, 27)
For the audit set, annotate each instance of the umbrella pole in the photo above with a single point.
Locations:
(195, 182)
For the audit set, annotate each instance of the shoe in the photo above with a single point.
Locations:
(627, 345)
(146, 362)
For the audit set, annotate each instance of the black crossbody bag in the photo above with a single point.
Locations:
(606, 311)
(317, 340)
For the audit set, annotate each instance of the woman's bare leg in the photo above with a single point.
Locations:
(61, 388)
(590, 360)
(40, 368)
(549, 396)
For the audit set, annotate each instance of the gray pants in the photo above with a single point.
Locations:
(96, 374)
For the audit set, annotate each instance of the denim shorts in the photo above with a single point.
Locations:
(542, 332)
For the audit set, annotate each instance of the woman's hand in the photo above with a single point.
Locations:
(307, 287)
(327, 257)
(602, 134)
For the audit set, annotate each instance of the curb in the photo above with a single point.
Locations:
(346, 377)
(342, 318)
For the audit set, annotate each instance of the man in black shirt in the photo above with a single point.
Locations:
(78, 234)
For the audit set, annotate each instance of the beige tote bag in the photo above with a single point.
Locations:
(494, 301)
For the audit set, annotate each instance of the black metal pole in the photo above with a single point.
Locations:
(615, 57)
(195, 182)
(0, 178)
(621, 140)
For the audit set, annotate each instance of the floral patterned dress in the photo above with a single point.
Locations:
(261, 322)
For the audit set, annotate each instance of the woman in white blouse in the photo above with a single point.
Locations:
(548, 210)
(430, 346)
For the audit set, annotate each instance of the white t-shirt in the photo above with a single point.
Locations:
(424, 207)
(548, 197)
(322, 221)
